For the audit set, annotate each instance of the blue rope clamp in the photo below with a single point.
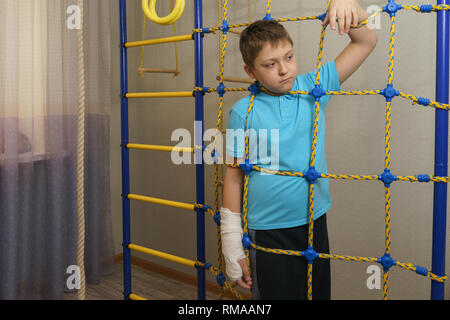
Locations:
(426, 8)
(421, 270)
(246, 241)
(246, 167)
(267, 17)
(387, 262)
(202, 91)
(423, 178)
(389, 92)
(215, 155)
(317, 92)
(217, 218)
(311, 175)
(225, 27)
(220, 278)
(423, 101)
(323, 16)
(221, 89)
(206, 30)
(205, 208)
(255, 88)
(310, 254)
(207, 266)
(392, 7)
(387, 177)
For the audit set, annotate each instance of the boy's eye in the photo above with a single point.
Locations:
(270, 65)
(290, 57)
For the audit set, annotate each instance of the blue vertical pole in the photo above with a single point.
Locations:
(125, 151)
(200, 172)
(441, 152)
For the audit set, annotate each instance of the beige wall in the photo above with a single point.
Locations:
(355, 141)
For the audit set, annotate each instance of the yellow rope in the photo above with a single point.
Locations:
(141, 73)
(81, 293)
(175, 46)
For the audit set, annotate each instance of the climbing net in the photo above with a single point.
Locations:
(311, 175)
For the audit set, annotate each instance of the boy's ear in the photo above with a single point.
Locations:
(249, 71)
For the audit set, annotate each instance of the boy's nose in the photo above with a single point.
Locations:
(282, 70)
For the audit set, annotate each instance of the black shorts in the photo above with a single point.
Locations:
(278, 276)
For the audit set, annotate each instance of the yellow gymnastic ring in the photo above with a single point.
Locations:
(150, 12)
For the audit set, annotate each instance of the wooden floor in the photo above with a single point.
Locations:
(145, 283)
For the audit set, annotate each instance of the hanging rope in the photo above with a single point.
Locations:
(81, 294)
(142, 70)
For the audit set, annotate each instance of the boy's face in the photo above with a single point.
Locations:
(275, 67)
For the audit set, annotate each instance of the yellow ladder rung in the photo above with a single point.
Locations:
(158, 70)
(133, 296)
(163, 255)
(171, 203)
(159, 148)
(160, 40)
(160, 94)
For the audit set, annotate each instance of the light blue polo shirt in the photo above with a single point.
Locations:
(276, 201)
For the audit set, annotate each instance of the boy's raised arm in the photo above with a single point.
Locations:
(341, 14)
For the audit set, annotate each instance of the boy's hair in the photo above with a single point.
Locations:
(257, 34)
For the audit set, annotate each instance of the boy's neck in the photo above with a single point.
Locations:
(275, 94)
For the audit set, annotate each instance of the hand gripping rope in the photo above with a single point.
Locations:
(311, 175)
(150, 12)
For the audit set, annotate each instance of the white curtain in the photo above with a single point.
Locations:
(38, 145)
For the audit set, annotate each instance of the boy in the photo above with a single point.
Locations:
(278, 205)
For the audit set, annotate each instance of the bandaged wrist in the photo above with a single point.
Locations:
(232, 249)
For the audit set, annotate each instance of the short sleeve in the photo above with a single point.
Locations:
(235, 135)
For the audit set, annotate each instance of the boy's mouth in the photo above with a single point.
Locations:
(285, 81)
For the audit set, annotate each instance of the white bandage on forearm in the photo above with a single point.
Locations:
(232, 249)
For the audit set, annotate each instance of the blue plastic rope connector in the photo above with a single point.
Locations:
(392, 7)
(268, 17)
(255, 88)
(423, 178)
(217, 218)
(426, 8)
(220, 278)
(423, 101)
(221, 89)
(421, 270)
(246, 241)
(205, 208)
(310, 254)
(389, 92)
(317, 92)
(387, 177)
(323, 16)
(206, 30)
(246, 167)
(225, 27)
(387, 262)
(204, 90)
(207, 265)
(311, 175)
(215, 155)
